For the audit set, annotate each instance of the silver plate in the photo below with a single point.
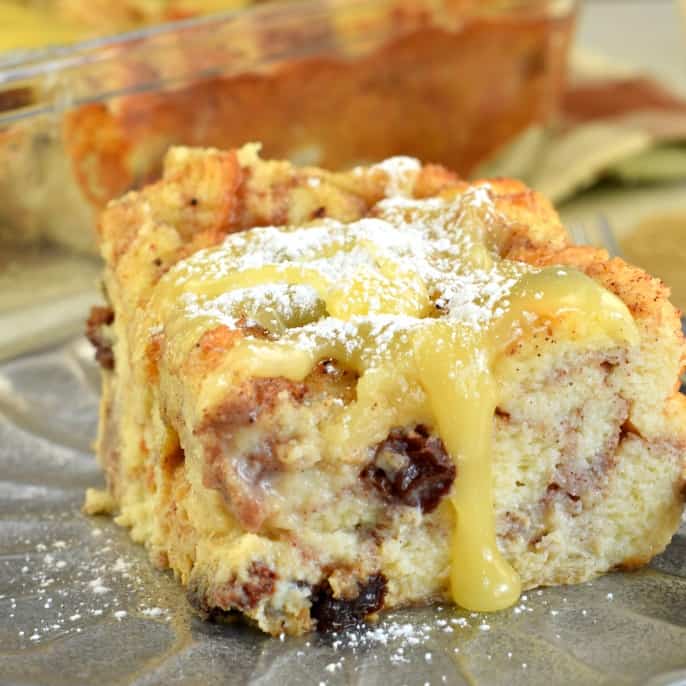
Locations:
(80, 603)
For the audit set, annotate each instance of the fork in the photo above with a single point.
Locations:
(601, 234)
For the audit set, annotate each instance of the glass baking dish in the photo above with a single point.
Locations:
(333, 83)
(36, 23)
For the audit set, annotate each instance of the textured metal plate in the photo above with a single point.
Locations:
(80, 603)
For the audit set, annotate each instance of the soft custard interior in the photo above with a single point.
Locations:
(416, 300)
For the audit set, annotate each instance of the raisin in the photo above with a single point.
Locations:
(335, 614)
(99, 318)
(411, 467)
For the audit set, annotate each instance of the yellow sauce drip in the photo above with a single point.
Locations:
(437, 370)
(455, 371)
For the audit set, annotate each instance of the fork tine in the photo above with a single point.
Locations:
(608, 237)
(579, 234)
(600, 234)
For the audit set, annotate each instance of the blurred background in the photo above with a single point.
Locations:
(584, 101)
(646, 37)
(648, 34)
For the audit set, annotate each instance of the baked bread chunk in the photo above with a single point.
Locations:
(327, 394)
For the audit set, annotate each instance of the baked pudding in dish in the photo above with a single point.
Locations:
(329, 394)
(335, 83)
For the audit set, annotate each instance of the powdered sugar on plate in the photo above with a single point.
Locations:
(59, 591)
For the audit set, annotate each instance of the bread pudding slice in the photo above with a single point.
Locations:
(328, 394)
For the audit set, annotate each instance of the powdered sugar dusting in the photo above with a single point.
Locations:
(59, 591)
(401, 173)
(402, 640)
(406, 252)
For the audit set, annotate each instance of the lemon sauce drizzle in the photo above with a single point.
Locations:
(418, 302)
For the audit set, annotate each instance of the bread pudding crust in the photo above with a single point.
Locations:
(195, 476)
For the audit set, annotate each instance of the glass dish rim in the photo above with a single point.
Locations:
(31, 63)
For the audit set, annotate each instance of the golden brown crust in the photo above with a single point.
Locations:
(211, 348)
(246, 403)
(206, 194)
(646, 297)
(96, 331)
(372, 114)
(241, 476)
